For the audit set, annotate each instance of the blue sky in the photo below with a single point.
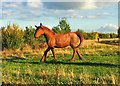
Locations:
(88, 16)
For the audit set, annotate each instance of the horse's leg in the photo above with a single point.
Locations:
(52, 49)
(74, 53)
(44, 56)
(79, 54)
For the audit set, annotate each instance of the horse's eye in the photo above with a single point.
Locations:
(37, 28)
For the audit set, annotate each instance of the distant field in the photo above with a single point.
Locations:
(114, 41)
(99, 66)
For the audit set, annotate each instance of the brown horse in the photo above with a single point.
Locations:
(59, 41)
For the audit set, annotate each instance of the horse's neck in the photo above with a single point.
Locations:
(48, 33)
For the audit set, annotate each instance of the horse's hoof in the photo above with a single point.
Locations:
(55, 60)
(81, 58)
(41, 60)
(72, 59)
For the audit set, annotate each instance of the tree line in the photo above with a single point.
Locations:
(14, 37)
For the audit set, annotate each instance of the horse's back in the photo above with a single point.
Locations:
(62, 40)
(65, 39)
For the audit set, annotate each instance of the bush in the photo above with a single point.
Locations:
(30, 39)
(104, 35)
(29, 35)
(12, 37)
(85, 34)
(113, 35)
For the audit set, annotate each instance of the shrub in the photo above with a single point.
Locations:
(29, 35)
(86, 34)
(30, 39)
(12, 37)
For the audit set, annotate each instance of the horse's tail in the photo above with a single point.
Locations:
(80, 37)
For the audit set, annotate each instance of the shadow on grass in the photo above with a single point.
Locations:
(13, 58)
(110, 42)
(84, 64)
(62, 62)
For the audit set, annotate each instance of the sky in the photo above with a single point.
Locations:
(89, 15)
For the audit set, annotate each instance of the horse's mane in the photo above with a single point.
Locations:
(48, 29)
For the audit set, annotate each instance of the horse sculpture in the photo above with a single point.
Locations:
(59, 41)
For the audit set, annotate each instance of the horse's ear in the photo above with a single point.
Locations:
(26, 27)
(35, 26)
(40, 24)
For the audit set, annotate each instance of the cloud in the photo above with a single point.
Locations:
(62, 0)
(106, 0)
(62, 5)
(6, 13)
(34, 10)
(104, 14)
(79, 14)
(13, 0)
(11, 5)
(0, 10)
(9, 9)
(89, 5)
(34, 3)
(108, 28)
(19, 10)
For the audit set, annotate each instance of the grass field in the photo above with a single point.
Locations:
(100, 65)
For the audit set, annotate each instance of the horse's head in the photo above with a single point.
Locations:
(39, 30)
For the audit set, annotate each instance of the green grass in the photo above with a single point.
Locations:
(99, 66)
(92, 70)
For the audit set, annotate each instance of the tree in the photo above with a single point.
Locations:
(80, 30)
(119, 32)
(62, 26)
(113, 35)
(104, 35)
(56, 29)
